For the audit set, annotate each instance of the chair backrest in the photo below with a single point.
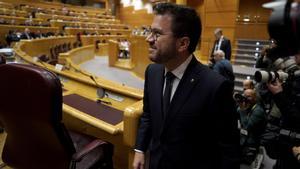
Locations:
(31, 112)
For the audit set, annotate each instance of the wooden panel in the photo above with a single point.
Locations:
(42, 46)
(72, 18)
(254, 8)
(205, 49)
(21, 20)
(135, 18)
(74, 31)
(82, 54)
(113, 48)
(252, 31)
(61, 24)
(91, 39)
(223, 19)
(102, 49)
(58, 6)
(139, 50)
(198, 6)
(221, 5)
(13, 12)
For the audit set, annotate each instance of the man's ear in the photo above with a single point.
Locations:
(183, 44)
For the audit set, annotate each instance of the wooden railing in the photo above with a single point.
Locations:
(74, 31)
(77, 55)
(72, 18)
(103, 25)
(5, 28)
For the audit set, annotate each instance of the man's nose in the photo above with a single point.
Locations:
(150, 38)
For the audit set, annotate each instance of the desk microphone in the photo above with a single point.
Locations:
(100, 91)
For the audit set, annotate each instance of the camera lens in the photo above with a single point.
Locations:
(262, 76)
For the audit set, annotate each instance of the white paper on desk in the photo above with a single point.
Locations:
(59, 67)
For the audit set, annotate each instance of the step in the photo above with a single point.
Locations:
(246, 44)
(248, 63)
(254, 41)
(250, 47)
(245, 56)
(238, 89)
(246, 51)
(238, 81)
(238, 69)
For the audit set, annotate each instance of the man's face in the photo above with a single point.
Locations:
(162, 44)
(247, 85)
(218, 35)
(249, 94)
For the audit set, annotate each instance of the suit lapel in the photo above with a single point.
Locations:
(187, 83)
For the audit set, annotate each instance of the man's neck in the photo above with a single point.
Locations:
(177, 61)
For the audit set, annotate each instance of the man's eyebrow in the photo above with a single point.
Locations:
(156, 29)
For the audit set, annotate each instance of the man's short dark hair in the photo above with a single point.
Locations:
(185, 21)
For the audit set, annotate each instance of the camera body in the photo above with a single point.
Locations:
(239, 98)
(289, 137)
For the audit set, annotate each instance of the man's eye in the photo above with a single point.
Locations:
(157, 33)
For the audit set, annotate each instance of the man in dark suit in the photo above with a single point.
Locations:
(189, 120)
(221, 43)
(26, 34)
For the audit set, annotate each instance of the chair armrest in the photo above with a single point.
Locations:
(86, 149)
(131, 120)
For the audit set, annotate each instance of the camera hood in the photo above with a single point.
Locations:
(284, 27)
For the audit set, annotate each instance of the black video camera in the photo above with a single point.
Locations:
(239, 98)
(283, 27)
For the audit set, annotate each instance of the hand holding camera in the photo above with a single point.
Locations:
(275, 87)
(296, 152)
(242, 101)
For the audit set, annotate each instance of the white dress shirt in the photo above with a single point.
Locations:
(178, 72)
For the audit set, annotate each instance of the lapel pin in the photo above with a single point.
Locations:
(192, 80)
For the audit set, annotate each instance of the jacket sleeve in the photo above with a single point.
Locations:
(228, 50)
(228, 134)
(144, 130)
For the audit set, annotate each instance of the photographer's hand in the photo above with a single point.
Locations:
(275, 87)
(296, 152)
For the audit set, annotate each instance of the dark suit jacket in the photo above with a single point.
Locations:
(225, 47)
(200, 128)
(23, 36)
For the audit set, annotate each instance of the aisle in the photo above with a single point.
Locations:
(99, 67)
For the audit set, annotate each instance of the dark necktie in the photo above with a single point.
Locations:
(168, 91)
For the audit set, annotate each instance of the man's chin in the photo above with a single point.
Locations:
(152, 58)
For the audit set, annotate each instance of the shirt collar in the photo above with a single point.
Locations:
(179, 71)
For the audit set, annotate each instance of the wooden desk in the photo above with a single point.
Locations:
(78, 83)
(21, 20)
(139, 50)
(103, 25)
(78, 55)
(5, 28)
(74, 31)
(72, 18)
